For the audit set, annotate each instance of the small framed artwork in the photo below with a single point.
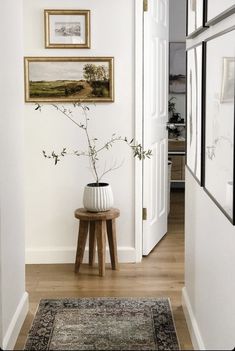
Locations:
(227, 87)
(177, 59)
(196, 17)
(69, 79)
(219, 121)
(195, 110)
(217, 10)
(66, 29)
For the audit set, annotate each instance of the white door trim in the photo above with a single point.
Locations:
(138, 126)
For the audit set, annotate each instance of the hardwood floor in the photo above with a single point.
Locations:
(161, 274)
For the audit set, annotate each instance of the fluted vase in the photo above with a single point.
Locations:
(98, 197)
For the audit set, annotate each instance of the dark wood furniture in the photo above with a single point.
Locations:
(176, 154)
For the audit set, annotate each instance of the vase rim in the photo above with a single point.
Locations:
(96, 185)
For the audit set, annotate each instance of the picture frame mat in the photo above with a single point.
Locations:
(55, 19)
(221, 16)
(232, 217)
(48, 29)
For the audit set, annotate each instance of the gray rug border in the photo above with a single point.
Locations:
(41, 306)
(173, 321)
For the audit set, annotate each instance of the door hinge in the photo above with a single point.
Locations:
(146, 5)
(144, 214)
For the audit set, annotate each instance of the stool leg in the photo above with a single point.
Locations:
(92, 243)
(111, 232)
(100, 233)
(82, 236)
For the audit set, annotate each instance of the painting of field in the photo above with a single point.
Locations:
(74, 80)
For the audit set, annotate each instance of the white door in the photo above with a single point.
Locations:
(155, 173)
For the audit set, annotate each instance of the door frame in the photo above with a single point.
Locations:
(139, 124)
(138, 74)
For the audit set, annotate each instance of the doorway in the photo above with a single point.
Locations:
(177, 108)
(164, 31)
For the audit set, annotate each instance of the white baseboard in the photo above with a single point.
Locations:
(16, 323)
(194, 331)
(67, 255)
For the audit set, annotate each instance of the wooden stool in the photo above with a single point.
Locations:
(98, 224)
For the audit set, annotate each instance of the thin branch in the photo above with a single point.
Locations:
(113, 168)
(65, 114)
(56, 156)
(93, 152)
(109, 143)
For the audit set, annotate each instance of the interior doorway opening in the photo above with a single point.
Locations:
(177, 108)
(164, 100)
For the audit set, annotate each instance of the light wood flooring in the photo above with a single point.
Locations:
(161, 274)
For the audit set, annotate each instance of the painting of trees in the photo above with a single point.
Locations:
(69, 79)
(98, 78)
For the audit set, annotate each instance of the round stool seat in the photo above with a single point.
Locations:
(84, 215)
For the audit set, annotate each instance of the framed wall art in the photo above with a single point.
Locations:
(219, 121)
(227, 87)
(195, 110)
(177, 69)
(69, 79)
(217, 10)
(67, 29)
(196, 17)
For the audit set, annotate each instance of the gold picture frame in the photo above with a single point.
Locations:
(67, 29)
(69, 79)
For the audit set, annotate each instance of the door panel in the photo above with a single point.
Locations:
(163, 12)
(163, 84)
(162, 178)
(154, 85)
(155, 119)
(153, 177)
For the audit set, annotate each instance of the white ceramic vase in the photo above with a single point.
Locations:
(97, 197)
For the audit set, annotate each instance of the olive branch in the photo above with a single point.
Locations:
(93, 152)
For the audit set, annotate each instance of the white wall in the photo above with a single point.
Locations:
(12, 284)
(177, 21)
(208, 296)
(53, 193)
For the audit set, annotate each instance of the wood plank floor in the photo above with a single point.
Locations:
(161, 274)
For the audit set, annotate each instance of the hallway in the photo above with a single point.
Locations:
(161, 274)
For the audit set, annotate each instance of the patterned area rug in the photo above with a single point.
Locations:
(103, 324)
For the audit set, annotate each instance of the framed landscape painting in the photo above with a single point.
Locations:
(177, 79)
(69, 79)
(219, 121)
(67, 29)
(195, 110)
